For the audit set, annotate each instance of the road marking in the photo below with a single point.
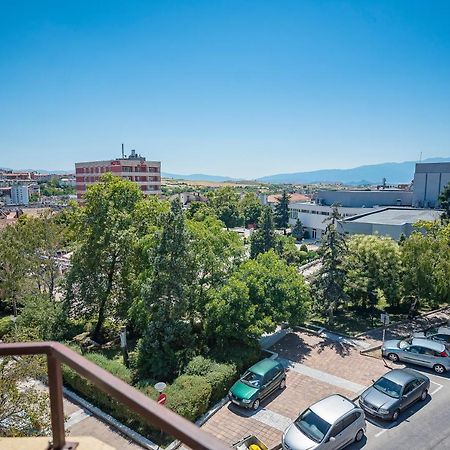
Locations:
(76, 417)
(272, 419)
(391, 425)
(323, 376)
(440, 386)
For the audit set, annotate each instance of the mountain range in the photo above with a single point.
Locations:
(402, 172)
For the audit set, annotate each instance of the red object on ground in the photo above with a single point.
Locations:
(162, 399)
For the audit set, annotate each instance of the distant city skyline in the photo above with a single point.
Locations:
(239, 89)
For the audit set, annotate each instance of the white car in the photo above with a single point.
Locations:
(330, 424)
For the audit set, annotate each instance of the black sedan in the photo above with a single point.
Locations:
(394, 392)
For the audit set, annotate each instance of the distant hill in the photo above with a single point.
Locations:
(393, 172)
(197, 177)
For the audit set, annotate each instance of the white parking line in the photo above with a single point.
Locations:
(439, 387)
(391, 425)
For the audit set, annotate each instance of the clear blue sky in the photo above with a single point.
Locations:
(241, 88)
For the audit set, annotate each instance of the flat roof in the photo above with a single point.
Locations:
(396, 216)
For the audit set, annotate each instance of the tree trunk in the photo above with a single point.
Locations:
(102, 309)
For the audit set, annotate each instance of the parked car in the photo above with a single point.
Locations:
(422, 352)
(440, 334)
(394, 392)
(330, 424)
(258, 382)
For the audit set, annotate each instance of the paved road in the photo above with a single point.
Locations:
(424, 426)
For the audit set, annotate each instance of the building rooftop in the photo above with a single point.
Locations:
(397, 216)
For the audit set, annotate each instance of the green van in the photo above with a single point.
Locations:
(258, 382)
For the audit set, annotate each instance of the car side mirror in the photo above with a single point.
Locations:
(373, 381)
(332, 439)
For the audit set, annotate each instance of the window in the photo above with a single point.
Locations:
(314, 233)
(337, 428)
(347, 421)
(409, 388)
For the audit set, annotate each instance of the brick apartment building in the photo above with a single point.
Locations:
(134, 168)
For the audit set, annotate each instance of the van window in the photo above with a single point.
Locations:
(347, 421)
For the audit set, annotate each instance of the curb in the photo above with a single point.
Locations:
(123, 429)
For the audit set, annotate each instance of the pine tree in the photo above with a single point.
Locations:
(282, 211)
(444, 203)
(330, 279)
(263, 239)
(298, 230)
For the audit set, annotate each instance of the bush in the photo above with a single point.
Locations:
(303, 248)
(113, 366)
(189, 396)
(6, 325)
(219, 375)
(240, 355)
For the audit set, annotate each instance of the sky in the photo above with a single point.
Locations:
(238, 88)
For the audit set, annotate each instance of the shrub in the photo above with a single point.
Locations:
(113, 366)
(303, 248)
(6, 325)
(189, 396)
(242, 356)
(219, 375)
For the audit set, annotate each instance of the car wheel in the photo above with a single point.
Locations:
(393, 357)
(395, 415)
(256, 404)
(424, 395)
(439, 368)
(359, 435)
(282, 383)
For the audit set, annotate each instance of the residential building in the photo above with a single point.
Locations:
(19, 194)
(429, 181)
(134, 168)
(391, 222)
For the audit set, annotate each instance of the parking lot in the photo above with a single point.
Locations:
(319, 366)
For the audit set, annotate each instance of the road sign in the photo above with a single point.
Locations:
(162, 398)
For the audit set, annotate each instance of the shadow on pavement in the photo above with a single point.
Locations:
(292, 347)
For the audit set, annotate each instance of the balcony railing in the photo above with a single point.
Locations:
(153, 413)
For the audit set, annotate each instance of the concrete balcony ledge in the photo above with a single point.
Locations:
(41, 443)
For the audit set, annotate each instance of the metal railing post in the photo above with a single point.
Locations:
(55, 385)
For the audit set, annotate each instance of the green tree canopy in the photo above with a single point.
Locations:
(250, 208)
(263, 238)
(225, 204)
(282, 211)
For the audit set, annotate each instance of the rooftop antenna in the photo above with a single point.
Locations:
(420, 158)
(123, 152)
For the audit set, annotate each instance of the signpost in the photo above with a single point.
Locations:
(123, 344)
(385, 320)
(162, 397)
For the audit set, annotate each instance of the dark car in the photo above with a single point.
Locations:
(258, 382)
(441, 334)
(394, 392)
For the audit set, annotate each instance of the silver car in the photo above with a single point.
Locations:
(330, 424)
(394, 392)
(420, 351)
(441, 334)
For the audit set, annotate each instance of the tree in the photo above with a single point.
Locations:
(250, 208)
(282, 211)
(23, 407)
(263, 239)
(329, 281)
(373, 263)
(99, 276)
(444, 203)
(298, 230)
(225, 203)
(260, 294)
(426, 265)
(168, 340)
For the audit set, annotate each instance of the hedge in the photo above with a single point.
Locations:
(189, 396)
(6, 325)
(219, 375)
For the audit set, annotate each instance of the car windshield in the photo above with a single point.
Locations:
(312, 425)
(404, 343)
(252, 379)
(388, 387)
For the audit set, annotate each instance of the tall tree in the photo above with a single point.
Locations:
(99, 274)
(373, 263)
(165, 299)
(263, 239)
(225, 203)
(282, 211)
(261, 294)
(298, 230)
(444, 203)
(329, 281)
(250, 208)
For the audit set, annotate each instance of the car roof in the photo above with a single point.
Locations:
(262, 367)
(332, 408)
(444, 330)
(433, 345)
(402, 376)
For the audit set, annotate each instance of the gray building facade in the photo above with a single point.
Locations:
(429, 181)
(358, 198)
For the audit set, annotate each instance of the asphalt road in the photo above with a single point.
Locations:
(424, 426)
